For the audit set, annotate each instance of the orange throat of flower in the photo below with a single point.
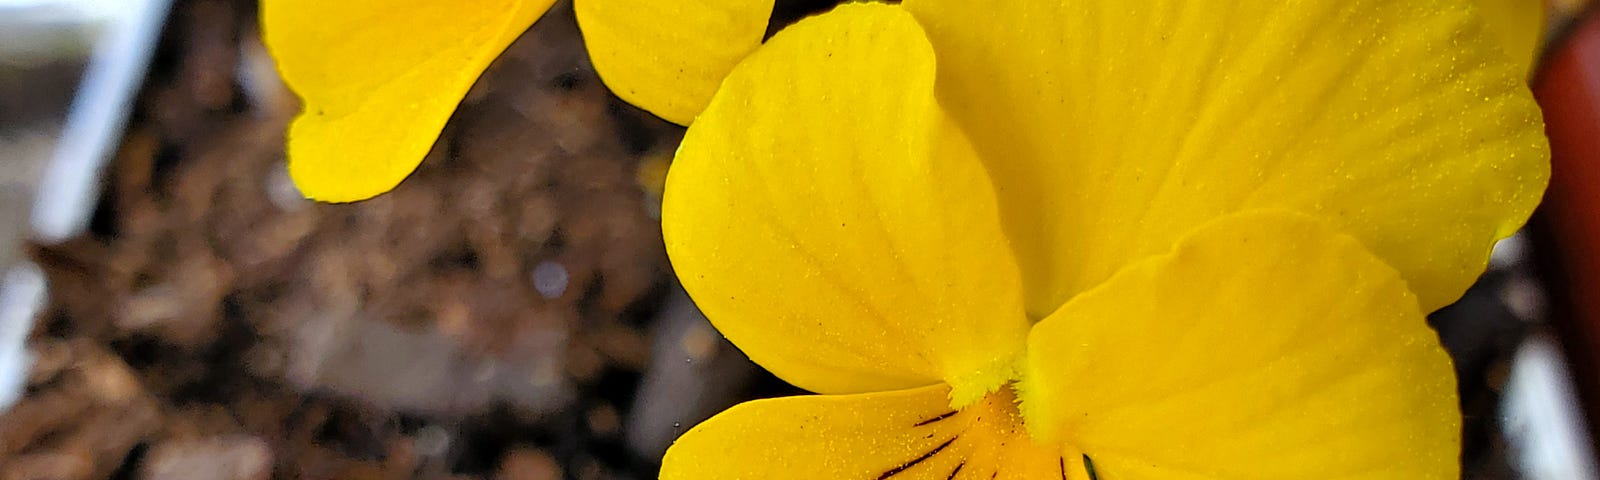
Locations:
(987, 440)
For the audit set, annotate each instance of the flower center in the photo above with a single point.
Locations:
(988, 439)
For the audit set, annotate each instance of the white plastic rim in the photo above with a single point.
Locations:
(1542, 419)
(22, 295)
(69, 187)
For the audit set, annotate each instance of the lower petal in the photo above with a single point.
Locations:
(1266, 345)
(901, 435)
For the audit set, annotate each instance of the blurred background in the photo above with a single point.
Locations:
(171, 308)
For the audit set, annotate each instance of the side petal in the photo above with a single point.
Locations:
(669, 56)
(378, 80)
(832, 223)
(901, 435)
(1110, 131)
(1266, 346)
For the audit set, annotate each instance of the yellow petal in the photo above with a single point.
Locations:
(1267, 346)
(831, 222)
(1519, 27)
(378, 79)
(669, 56)
(901, 435)
(1110, 130)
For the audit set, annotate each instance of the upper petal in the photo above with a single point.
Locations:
(669, 56)
(901, 435)
(1110, 130)
(831, 222)
(378, 79)
(1266, 346)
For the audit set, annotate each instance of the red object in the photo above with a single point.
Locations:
(1568, 89)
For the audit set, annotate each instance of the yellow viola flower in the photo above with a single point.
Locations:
(1087, 239)
(379, 78)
